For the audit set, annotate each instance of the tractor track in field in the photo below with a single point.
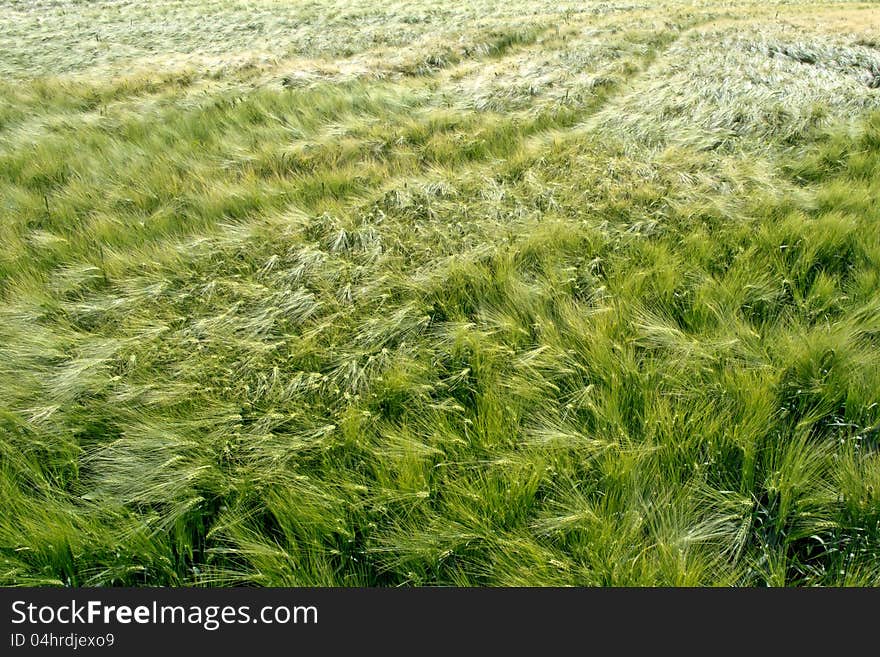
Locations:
(648, 62)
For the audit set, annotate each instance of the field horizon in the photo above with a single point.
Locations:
(513, 294)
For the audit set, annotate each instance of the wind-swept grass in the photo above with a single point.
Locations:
(516, 294)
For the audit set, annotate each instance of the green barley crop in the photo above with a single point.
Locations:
(505, 293)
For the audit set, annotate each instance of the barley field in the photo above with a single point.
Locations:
(497, 293)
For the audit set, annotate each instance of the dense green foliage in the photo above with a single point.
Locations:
(514, 296)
